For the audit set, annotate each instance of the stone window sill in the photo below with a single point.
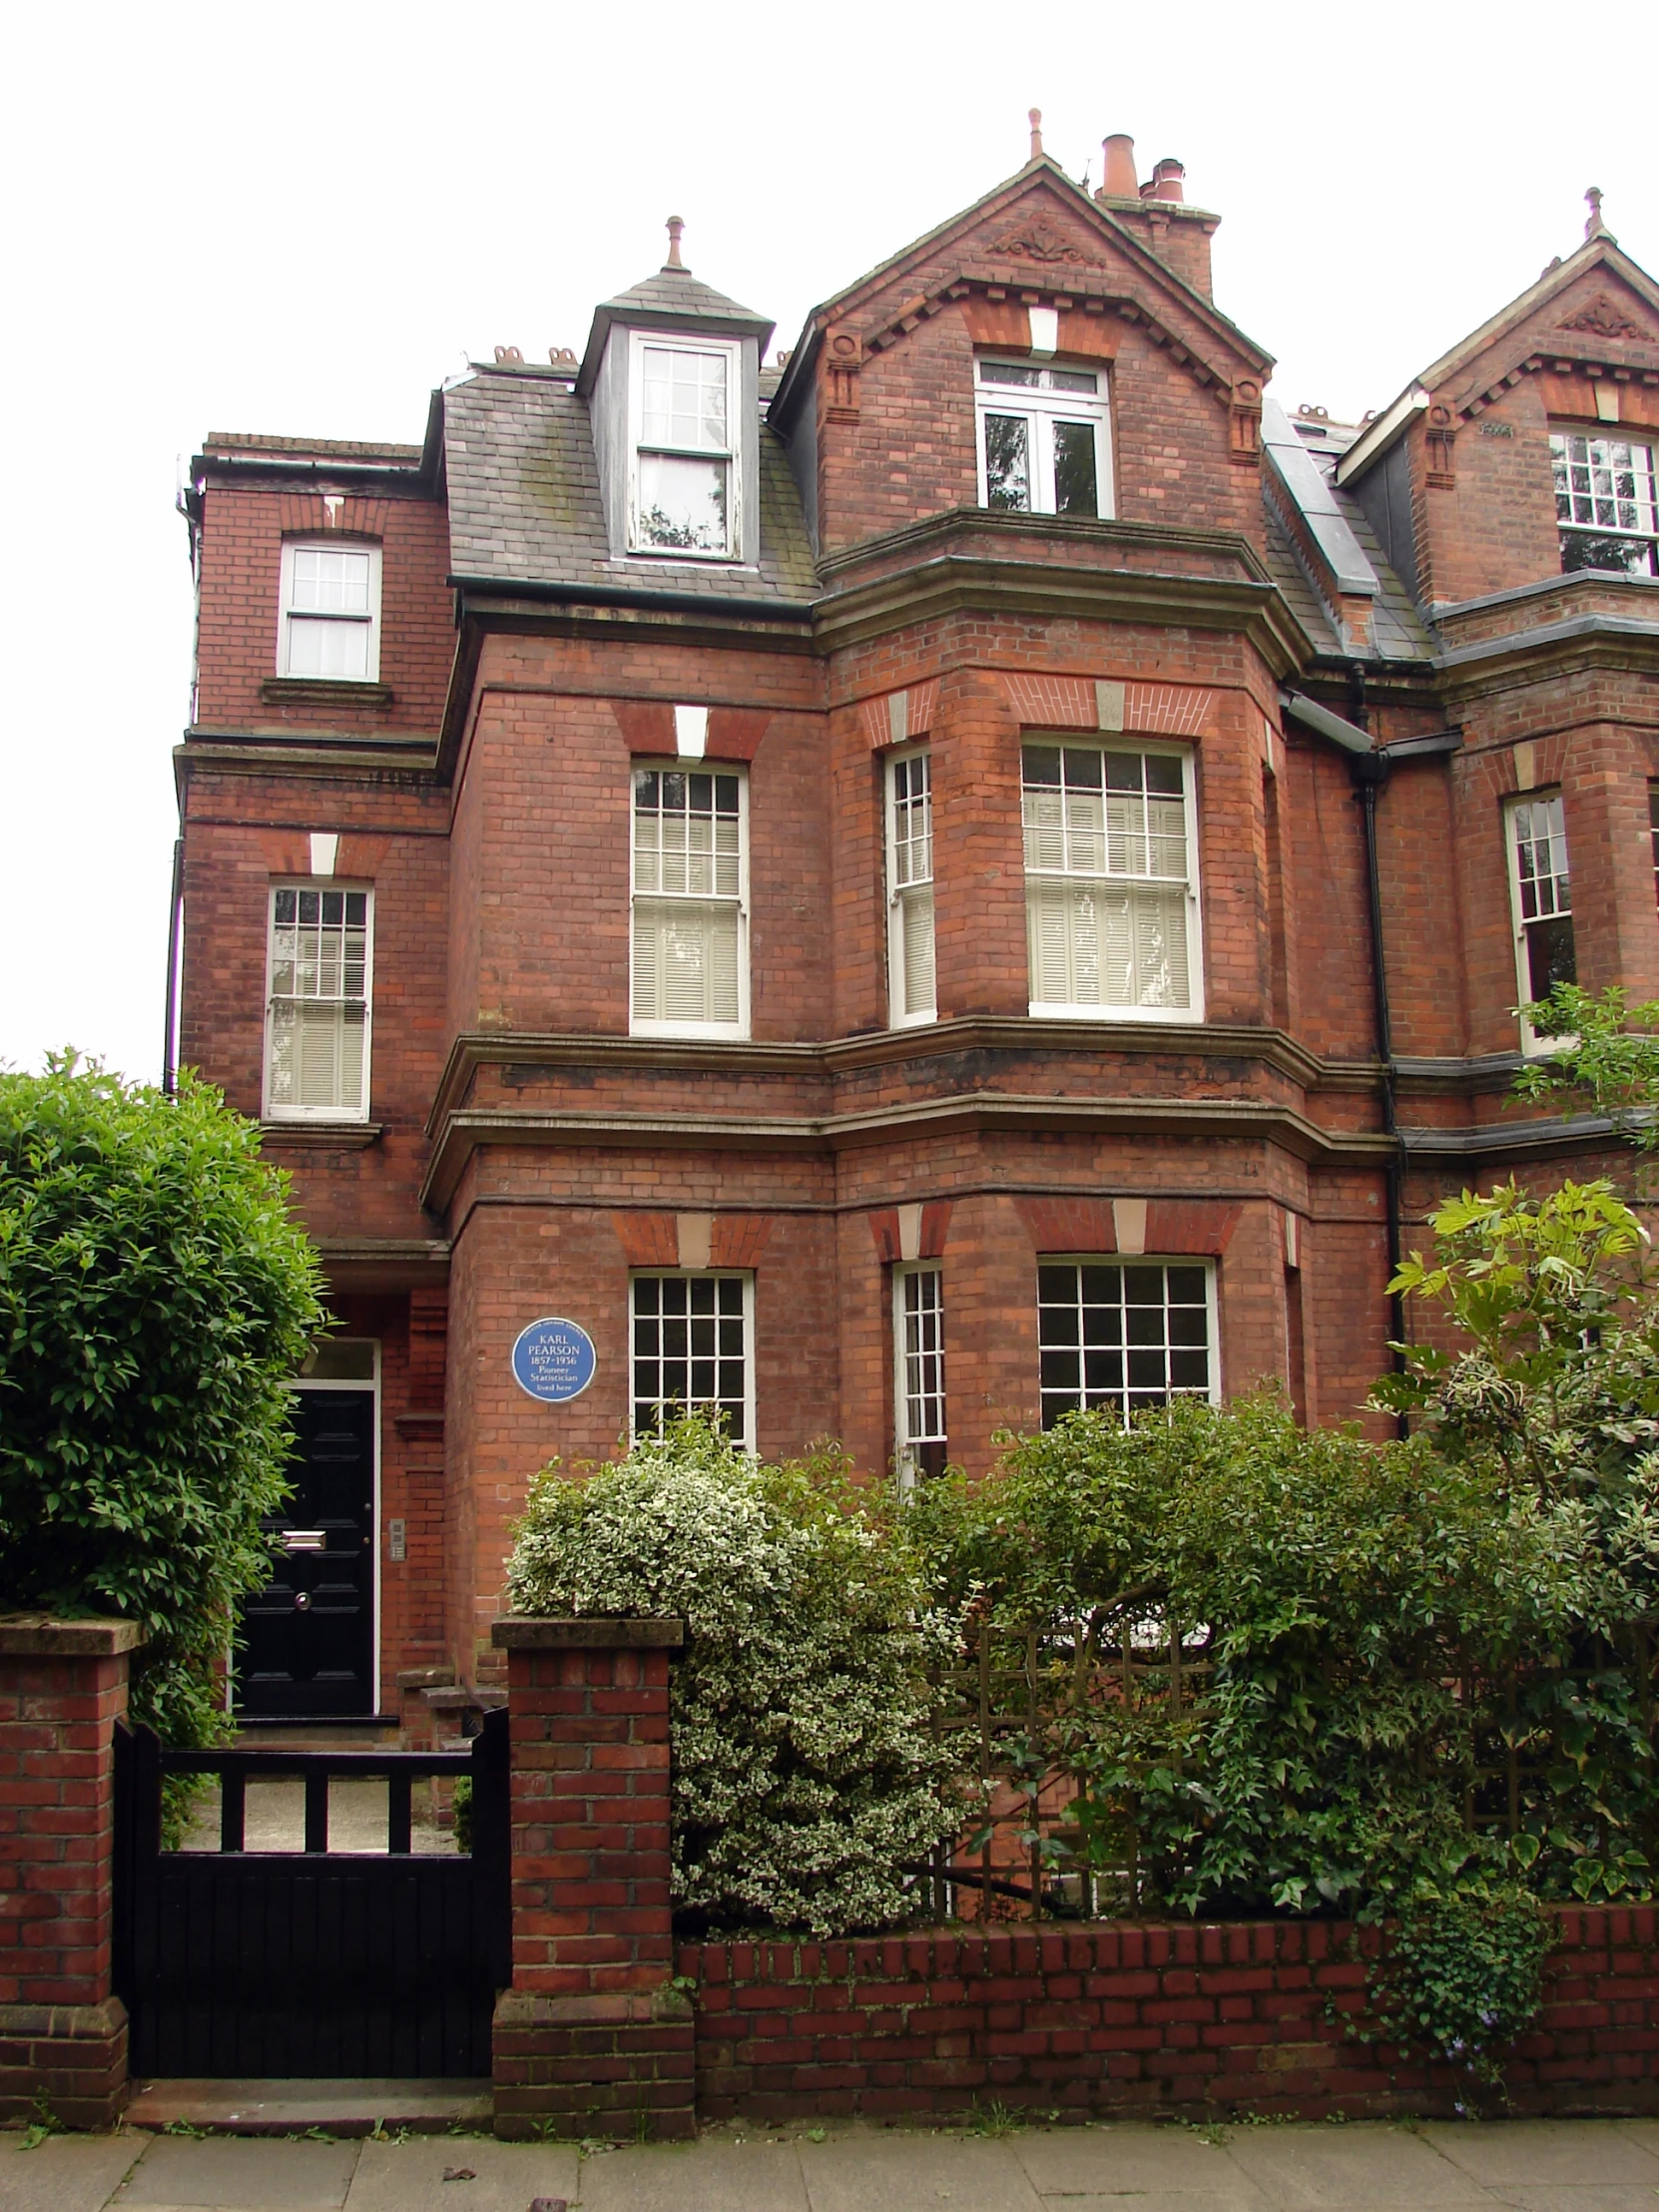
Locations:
(323, 1136)
(317, 690)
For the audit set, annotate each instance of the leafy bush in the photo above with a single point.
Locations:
(1339, 1595)
(154, 1299)
(1460, 1974)
(1553, 1400)
(805, 1771)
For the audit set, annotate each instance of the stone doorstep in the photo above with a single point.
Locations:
(289, 2107)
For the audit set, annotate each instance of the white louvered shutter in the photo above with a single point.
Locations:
(916, 909)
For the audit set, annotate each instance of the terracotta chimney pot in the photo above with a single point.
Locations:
(1165, 179)
(1119, 181)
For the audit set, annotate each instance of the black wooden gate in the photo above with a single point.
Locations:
(318, 1963)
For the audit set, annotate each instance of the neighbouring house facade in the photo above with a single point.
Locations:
(971, 868)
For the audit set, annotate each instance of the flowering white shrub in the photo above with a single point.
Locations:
(804, 1765)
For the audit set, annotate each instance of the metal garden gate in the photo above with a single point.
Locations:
(311, 1963)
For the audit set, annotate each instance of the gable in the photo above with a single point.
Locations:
(1036, 240)
(1596, 315)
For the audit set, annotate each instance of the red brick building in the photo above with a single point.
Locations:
(858, 878)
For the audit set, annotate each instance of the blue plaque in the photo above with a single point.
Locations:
(554, 1360)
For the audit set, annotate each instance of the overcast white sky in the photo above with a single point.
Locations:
(302, 217)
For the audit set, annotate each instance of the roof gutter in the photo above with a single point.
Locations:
(726, 605)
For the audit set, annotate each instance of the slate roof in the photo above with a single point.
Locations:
(524, 502)
(1399, 632)
(677, 291)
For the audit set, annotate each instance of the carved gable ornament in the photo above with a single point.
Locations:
(1603, 320)
(1042, 240)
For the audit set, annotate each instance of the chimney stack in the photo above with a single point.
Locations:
(1119, 181)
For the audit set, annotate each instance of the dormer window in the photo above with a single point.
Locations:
(1044, 446)
(685, 494)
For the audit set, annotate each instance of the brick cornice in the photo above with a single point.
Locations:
(965, 1033)
(976, 1111)
(957, 583)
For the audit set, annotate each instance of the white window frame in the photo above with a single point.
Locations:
(1044, 407)
(682, 342)
(737, 1030)
(904, 1442)
(1193, 1011)
(1532, 1045)
(1212, 1311)
(288, 612)
(744, 1276)
(327, 1114)
(899, 895)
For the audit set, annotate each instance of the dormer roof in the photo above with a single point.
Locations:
(671, 300)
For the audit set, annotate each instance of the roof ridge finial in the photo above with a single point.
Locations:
(676, 223)
(1035, 117)
(1596, 228)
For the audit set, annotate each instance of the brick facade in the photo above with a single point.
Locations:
(524, 1152)
(1208, 2021)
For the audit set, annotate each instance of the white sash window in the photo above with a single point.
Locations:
(1111, 882)
(1540, 891)
(691, 926)
(331, 620)
(911, 889)
(317, 1016)
(685, 489)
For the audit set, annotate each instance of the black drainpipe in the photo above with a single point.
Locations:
(170, 1070)
(1369, 771)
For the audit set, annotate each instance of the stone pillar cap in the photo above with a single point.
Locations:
(523, 1632)
(44, 1636)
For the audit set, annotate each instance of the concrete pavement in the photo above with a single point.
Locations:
(1531, 2165)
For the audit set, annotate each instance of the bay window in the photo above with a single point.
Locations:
(918, 1370)
(1540, 891)
(1124, 1336)
(1606, 502)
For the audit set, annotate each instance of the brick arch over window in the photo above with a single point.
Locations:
(1175, 1227)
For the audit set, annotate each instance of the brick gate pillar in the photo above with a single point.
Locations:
(592, 2038)
(63, 2032)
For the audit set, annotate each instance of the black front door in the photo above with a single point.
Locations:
(308, 1636)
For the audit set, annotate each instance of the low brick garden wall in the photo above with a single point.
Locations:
(1206, 2019)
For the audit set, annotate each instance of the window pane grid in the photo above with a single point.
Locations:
(689, 1349)
(912, 820)
(1541, 858)
(922, 1324)
(1604, 484)
(329, 581)
(684, 400)
(1121, 1337)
